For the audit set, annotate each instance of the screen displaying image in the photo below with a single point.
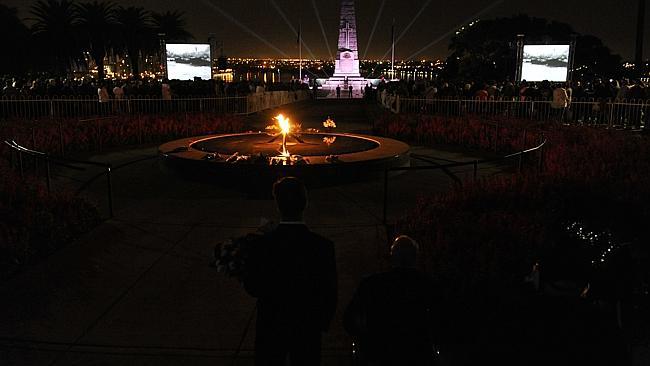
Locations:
(187, 61)
(545, 62)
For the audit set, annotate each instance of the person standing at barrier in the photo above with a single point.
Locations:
(104, 99)
(166, 90)
(391, 315)
(102, 93)
(338, 91)
(292, 273)
(637, 97)
(559, 103)
(118, 93)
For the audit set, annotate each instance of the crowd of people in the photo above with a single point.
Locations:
(614, 102)
(43, 86)
(507, 90)
(623, 103)
(400, 316)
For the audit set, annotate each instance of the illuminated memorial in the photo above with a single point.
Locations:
(347, 54)
(346, 65)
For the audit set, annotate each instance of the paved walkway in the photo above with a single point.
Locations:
(138, 289)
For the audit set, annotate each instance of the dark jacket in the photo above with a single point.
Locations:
(392, 316)
(292, 272)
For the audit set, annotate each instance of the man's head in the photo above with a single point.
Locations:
(291, 198)
(404, 252)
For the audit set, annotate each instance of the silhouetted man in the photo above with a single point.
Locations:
(292, 272)
(338, 91)
(390, 314)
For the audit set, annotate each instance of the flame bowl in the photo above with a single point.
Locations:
(243, 160)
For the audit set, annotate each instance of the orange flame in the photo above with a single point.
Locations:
(285, 128)
(284, 124)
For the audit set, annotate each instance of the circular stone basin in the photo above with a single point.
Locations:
(313, 144)
(329, 158)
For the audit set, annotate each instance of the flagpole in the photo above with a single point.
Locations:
(300, 50)
(392, 56)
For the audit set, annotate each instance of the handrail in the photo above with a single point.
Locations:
(474, 163)
(64, 162)
(57, 159)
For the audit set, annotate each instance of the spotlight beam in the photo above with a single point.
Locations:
(403, 33)
(374, 27)
(244, 27)
(293, 29)
(415, 18)
(442, 37)
(322, 29)
(295, 33)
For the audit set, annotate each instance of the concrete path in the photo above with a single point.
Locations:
(138, 290)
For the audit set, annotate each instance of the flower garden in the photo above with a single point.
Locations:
(589, 198)
(33, 222)
(480, 241)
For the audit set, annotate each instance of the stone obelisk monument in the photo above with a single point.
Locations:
(346, 65)
(347, 54)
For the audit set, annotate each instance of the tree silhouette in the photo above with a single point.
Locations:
(594, 59)
(487, 49)
(172, 24)
(54, 33)
(136, 34)
(97, 28)
(65, 32)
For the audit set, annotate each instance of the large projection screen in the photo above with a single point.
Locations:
(545, 62)
(186, 61)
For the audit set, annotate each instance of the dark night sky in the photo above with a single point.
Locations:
(611, 20)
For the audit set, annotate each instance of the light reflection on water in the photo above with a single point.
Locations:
(329, 140)
(285, 77)
(260, 76)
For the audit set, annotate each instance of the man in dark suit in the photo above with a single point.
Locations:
(292, 272)
(390, 315)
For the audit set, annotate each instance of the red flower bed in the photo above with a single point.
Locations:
(482, 240)
(34, 223)
(96, 134)
(468, 131)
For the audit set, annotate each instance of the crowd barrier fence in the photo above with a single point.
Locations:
(65, 107)
(613, 113)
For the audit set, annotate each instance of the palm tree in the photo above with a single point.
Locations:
(53, 29)
(136, 34)
(172, 24)
(96, 24)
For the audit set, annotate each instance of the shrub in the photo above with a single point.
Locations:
(34, 223)
(94, 135)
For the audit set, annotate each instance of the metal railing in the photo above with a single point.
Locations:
(474, 163)
(88, 106)
(48, 160)
(612, 113)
